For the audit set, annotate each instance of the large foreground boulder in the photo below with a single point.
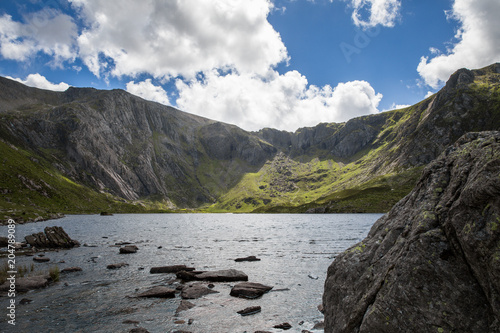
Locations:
(432, 264)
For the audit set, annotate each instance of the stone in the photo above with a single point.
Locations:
(249, 290)
(52, 237)
(158, 291)
(431, 263)
(116, 266)
(27, 283)
(284, 326)
(228, 275)
(170, 269)
(250, 311)
(128, 249)
(195, 291)
(25, 301)
(71, 269)
(250, 258)
(184, 305)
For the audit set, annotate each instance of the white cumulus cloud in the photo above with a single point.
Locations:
(370, 13)
(40, 81)
(478, 42)
(171, 38)
(48, 31)
(149, 91)
(280, 101)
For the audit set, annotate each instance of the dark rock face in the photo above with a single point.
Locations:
(52, 237)
(432, 263)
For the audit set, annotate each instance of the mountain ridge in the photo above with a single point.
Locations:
(145, 154)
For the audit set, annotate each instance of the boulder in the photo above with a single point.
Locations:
(284, 326)
(158, 291)
(250, 310)
(195, 291)
(432, 263)
(116, 266)
(52, 237)
(27, 283)
(170, 269)
(138, 330)
(128, 249)
(249, 258)
(228, 275)
(249, 290)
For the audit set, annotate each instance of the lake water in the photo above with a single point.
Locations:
(295, 252)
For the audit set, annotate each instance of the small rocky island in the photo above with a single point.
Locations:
(432, 264)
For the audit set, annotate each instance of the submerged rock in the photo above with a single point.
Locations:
(195, 291)
(284, 326)
(432, 263)
(41, 259)
(249, 290)
(158, 291)
(184, 305)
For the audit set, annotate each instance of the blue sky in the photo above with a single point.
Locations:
(254, 63)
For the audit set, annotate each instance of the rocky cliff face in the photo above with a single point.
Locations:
(432, 264)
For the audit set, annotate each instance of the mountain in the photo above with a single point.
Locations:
(86, 150)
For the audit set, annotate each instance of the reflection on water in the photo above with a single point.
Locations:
(295, 252)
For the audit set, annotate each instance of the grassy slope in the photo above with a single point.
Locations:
(32, 189)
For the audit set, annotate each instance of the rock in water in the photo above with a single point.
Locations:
(158, 291)
(170, 269)
(249, 290)
(250, 311)
(195, 291)
(52, 237)
(432, 264)
(128, 249)
(227, 275)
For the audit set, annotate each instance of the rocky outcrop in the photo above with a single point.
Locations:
(432, 263)
(52, 237)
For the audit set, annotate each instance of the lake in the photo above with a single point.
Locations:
(295, 252)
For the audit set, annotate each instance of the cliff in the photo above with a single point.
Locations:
(432, 263)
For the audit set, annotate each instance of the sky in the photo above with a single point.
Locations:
(283, 64)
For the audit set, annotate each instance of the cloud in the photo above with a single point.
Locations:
(39, 81)
(48, 31)
(283, 101)
(478, 42)
(171, 38)
(149, 91)
(370, 13)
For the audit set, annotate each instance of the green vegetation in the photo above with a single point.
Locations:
(32, 189)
